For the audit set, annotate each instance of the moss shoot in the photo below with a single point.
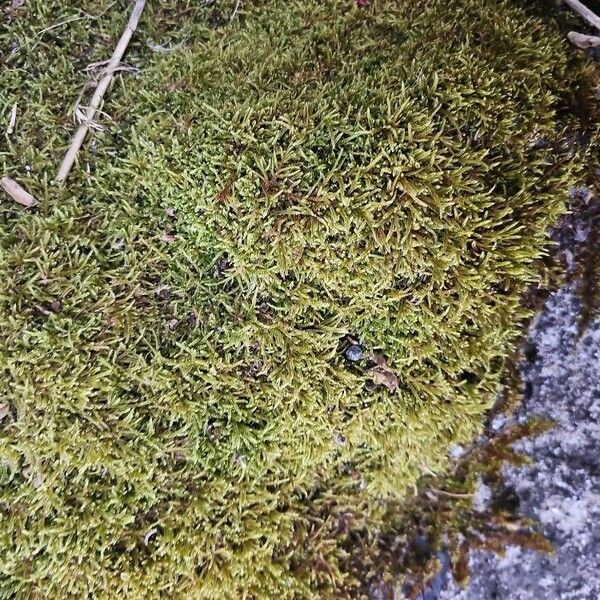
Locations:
(183, 417)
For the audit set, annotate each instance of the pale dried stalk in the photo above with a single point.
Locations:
(582, 41)
(12, 120)
(17, 193)
(103, 84)
(235, 9)
(450, 494)
(582, 10)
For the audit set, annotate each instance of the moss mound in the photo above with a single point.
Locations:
(181, 413)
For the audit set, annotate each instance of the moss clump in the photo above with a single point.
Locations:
(181, 412)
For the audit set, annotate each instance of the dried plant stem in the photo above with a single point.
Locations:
(582, 10)
(17, 193)
(450, 494)
(12, 120)
(103, 84)
(582, 41)
(235, 9)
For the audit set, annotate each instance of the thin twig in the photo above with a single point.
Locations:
(99, 69)
(81, 117)
(582, 10)
(450, 494)
(235, 9)
(78, 115)
(118, 53)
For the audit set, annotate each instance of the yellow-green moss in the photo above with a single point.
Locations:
(173, 324)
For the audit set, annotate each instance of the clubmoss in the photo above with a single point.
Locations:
(183, 421)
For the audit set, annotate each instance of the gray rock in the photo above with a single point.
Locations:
(561, 489)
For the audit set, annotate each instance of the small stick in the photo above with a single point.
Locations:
(235, 9)
(118, 53)
(17, 193)
(582, 41)
(591, 17)
(12, 120)
(450, 494)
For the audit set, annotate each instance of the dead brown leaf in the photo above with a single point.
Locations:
(383, 375)
(4, 410)
(378, 359)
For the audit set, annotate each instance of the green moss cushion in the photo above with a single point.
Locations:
(174, 324)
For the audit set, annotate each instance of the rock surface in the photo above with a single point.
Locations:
(561, 489)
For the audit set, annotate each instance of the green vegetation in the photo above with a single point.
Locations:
(182, 419)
